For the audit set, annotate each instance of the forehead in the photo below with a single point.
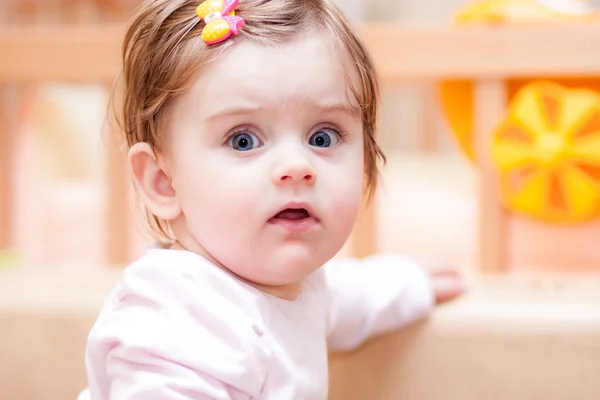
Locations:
(309, 68)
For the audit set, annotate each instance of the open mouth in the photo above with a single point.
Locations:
(292, 214)
(294, 219)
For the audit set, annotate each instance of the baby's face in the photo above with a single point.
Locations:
(266, 159)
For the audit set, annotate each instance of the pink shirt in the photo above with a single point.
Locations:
(177, 327)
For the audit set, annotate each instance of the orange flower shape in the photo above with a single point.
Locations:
(547, 151)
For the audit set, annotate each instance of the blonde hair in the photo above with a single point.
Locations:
(164, 53)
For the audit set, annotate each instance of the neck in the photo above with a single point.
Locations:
(285, 292)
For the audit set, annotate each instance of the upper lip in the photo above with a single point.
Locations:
(297, 205)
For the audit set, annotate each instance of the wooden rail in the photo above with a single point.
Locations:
(479, 52)
(487, 55)
(92, 53)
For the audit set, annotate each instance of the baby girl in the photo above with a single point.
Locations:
(251, 137)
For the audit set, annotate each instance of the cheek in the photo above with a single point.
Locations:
(344, 186)
(348, 196)
(217, 196)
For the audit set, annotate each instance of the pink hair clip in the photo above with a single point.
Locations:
(219, 17)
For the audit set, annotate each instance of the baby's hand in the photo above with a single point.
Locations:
(447, 281)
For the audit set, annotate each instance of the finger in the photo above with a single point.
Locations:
(448, 288)
(445, 271)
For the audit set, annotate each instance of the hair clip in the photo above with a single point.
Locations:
(219, 17)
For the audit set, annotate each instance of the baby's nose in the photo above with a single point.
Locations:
(295, 170)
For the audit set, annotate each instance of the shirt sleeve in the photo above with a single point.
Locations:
(158, 340)
(372, 296)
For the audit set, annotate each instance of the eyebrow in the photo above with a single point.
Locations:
(234, 111)
(343, 108)
(249, 109)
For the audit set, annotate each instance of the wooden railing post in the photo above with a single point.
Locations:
(5, 171)
(427, 128)
(490, 105)
(118, 216)
(11, 101)
(364, 236)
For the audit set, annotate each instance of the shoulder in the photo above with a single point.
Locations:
(176, 306)
(183, 282)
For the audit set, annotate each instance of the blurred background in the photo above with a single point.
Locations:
(63, 245)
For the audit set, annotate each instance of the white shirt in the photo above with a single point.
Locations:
(178, 327)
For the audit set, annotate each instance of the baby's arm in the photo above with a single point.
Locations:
(172, 340)
(373, 296)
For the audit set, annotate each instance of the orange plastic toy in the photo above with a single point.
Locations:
(549, 172)
(547, 152)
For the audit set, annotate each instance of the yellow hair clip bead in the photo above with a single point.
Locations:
(220, 19)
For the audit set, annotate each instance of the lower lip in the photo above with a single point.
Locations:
(295, 225)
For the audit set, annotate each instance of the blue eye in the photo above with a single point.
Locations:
(324, 138)
(244, 141)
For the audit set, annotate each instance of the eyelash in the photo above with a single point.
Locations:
(238, 132)
(340, 133)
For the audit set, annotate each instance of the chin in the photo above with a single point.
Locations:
(286, 267)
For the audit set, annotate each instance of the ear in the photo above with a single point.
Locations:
(152, 182)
